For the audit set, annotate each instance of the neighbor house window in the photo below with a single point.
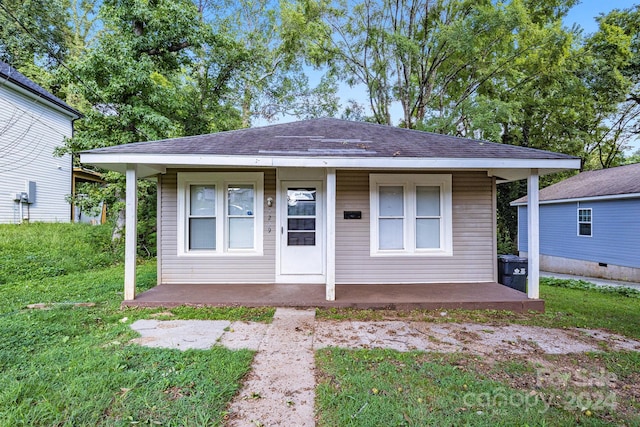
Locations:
(410, 214)
(220, 213)
(584, 222)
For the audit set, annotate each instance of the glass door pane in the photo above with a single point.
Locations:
(301, 216)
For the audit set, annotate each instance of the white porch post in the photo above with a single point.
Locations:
(331, 235)
(533, 221)
(131, 233)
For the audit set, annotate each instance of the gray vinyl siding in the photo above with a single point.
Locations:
(474, 253)
(615, 231)
(212, 269)
(473, 257)
(29, 133)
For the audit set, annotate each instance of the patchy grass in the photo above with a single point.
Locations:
(590, 308)
(384, 387)
(70, 365)
(247, 314)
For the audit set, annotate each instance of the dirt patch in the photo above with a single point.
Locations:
(566, 368)
(465, 337)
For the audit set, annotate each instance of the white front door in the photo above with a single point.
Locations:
(301, 232)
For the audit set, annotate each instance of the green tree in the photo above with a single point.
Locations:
(34, 36)
(634, 158)
(614, 79)
(129, 81)
(274, 82)
(33, 31)
(433, 57)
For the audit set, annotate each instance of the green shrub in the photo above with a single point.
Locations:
(588, 286)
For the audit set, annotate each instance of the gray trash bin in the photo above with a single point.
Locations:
(512, 271)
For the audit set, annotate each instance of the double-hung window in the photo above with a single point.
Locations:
(584, 222)
(410, 214)
(220, 213)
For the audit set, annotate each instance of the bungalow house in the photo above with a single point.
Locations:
(327, 202)
(589, 224)
(33, 123)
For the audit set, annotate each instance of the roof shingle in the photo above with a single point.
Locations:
(620, 180)
(14, 76)
(331, 138)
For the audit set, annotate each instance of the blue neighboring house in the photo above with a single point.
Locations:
(589, 224)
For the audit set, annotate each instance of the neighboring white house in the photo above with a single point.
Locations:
(33, 182)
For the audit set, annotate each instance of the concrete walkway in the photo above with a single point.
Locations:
(280, 390)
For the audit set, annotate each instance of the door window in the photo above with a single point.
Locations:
(301, 216)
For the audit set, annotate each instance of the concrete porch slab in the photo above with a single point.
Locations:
(428, 296)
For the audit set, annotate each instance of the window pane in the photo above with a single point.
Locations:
(301, 238)
(428, 201)
(584, 215)
(585, 229)
(240, 199)
(301, 201)
(241, 233)
(427, 233)
(202, 233)
(391, 201)
(203, 200)
(390, 234)
(301, 224)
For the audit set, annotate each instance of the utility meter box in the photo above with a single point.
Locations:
(30, 189)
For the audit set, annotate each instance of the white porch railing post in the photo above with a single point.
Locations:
(331, 235)
(131, 233)
(533, 221)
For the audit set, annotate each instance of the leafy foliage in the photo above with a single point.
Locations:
(508, 72)
(33, 32)
(585, 285)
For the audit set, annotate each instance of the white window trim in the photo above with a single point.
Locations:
(409, 182)
(221, 180)
(578, 222)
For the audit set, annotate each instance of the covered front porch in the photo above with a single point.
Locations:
(428, 296)
(437, 224)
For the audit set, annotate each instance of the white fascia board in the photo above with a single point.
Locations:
(173, 160)
(37, 98)
(584, 199)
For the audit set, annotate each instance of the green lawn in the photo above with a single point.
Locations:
(383, 387)
(388, 388)
(72, 365)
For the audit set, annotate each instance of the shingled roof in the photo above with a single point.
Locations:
(619, 181)
(7, 72)
(331, 138)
